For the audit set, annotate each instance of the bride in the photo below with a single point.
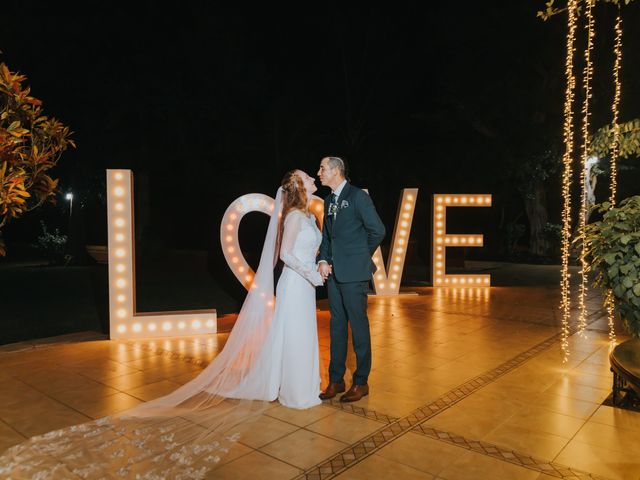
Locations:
(271, 353)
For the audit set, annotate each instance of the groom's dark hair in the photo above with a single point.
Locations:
(340, 164)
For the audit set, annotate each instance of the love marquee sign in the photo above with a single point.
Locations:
(126, 322)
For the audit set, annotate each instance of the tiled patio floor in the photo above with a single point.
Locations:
(465, 385)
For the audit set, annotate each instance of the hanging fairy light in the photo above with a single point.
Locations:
(587, 75)
(566, 175)
(615, 152)
(615, 110)
(608, 303)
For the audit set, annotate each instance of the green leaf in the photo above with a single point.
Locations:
(625, 239)
(636, 290)
(610, 258)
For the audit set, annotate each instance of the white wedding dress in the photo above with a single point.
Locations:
(287, 367)
(271, 353)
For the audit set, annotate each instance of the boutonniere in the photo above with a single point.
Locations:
(333, 209)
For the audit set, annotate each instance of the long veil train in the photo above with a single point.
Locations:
(182, 435)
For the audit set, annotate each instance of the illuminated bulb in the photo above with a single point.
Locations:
(380, 277)
(439, 216)
(152, 327)
(405, 215)
(137, 327)
(270, 303)
(248, 278)
(463, 280)
(472, 240)
(228, 238)
(120, 252)
(118, 176)
(166, 326)
(410, 197)
(196, 324)
(439, 240)
(439, 200)
(463, 240)
(119, 237)
(233, 216)
(447, 200)
(463, 199)
(210, 323)
(120, 222)
(241, 269)
(403, 232)
(407, 207)
(401, 241)
(439, 208)
(231, 249)
(122, 328)
(381, 286)
(120, 268)
(478, 280)
(455, 239)
(229, 227)
(121, 298)
(398, 259)
(455, 280)
(404, 224)
(439, 256)
(480, 200)
(119, 191)
(446, 280)
(392, 285)
(234, 260)
(487, 200)
(119, 207)
(439, 264)
(396, 267)
(439, 224)
(439, 232)
(376, 260)
(486, 280)
(394, 277)
(472, 200)
(439, 272)
(121, 283)
(181, 325)
(399, 249)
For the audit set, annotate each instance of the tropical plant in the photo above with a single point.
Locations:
(613, 253)
(30, 145)
(628, 139)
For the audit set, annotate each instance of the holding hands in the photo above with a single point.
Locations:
(325, 270)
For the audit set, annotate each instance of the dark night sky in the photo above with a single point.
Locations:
(206, 103)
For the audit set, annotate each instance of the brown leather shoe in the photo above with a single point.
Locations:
(355, 393)
(332, 390)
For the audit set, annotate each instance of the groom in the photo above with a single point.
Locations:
(352, 232)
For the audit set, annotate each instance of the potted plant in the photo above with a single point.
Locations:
(612, 251)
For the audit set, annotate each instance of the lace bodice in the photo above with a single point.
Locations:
(300, 241)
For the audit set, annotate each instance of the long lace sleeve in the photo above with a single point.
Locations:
(292, 227)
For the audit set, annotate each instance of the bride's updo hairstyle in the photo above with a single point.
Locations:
(294, 197)
(294, 194)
